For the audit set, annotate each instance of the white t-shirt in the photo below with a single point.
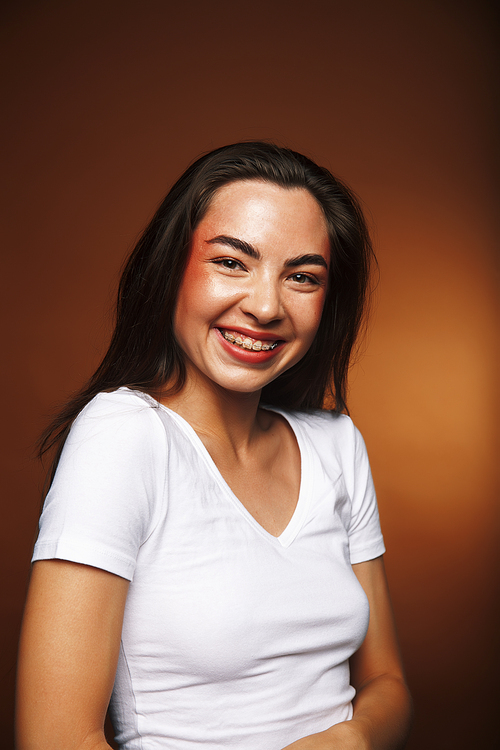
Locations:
(232, 638)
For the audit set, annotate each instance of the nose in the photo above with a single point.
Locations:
(263, 301)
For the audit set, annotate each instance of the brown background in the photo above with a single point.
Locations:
(106, 101)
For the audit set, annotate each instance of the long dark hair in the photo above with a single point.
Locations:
(144, 354)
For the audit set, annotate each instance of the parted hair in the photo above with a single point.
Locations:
(144, 354)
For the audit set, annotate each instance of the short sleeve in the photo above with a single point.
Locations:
(365, 536)
(108, 491)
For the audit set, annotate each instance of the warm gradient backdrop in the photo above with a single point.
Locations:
(106, 101)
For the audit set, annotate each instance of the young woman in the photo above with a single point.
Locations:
(210, 556)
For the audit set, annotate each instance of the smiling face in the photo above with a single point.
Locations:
(252, 294)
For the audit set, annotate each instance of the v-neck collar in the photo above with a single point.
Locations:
(299, 515)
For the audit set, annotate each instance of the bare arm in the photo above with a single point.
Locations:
(382, 707)
(68, 654)
(382, 703)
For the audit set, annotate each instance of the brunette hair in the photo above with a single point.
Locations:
(144, 354)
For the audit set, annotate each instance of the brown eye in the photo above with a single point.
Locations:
(230, 263)
(303, 278)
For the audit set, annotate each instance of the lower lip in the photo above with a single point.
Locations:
(249, 356)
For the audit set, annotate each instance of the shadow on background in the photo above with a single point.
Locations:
(107, 102)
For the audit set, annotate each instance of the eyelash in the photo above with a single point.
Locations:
(224, 262)
(306, 276)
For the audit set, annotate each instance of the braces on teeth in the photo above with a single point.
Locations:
(247, 343)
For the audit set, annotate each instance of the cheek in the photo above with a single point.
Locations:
(193, 294)
(185, 308)
(203, 295)
(311, 317)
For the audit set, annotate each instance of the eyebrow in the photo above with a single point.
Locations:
(306, 260)
(310, 259)
(237, 244)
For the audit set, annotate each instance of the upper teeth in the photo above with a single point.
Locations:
(248, 343)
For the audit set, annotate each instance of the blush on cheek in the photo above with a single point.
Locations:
(193, 287)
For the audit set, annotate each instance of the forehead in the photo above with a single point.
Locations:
(260, 210)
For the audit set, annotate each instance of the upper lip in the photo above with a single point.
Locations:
(257, 335)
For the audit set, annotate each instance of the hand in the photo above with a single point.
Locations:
(347, 735)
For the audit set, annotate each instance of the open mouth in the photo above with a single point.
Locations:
(245, 342)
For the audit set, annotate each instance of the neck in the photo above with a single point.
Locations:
(229, 417)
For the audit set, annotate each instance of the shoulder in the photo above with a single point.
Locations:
(335, 440)
(121, 402)
(108, 493)
(116, 448)
(122, 409)
(120, 424)
(326, 428)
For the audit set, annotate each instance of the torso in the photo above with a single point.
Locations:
(221, 613)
